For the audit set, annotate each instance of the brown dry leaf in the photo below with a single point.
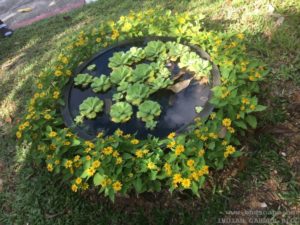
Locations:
(222, 132)
(1, 185)
(23, 10)
(180, 86)
(204, 80)
(296, 97)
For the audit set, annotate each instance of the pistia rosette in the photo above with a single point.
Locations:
(83, 80)
(148, 110)
(89, 109)
(121, 112)
(101, 84)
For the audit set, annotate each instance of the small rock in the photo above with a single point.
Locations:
(283, 154)
(263, 205)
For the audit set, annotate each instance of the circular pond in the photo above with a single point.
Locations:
(178, 108)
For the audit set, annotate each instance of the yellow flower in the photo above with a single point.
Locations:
(90, 171)
(55, 94)
(251, 78)
(242, 108)
(171, 135)
(151, 165)
(74, 188)
(68, 164)
(145, 151)
(186, 183)
(252, 107)
(115, 154)
(168, 169)
(96, 164)
(135, 141)
(231, 129)
(177, 178)
(119, 160)
(240, 36)
(100, 135)
(190, 163)
(181, 20)
(39, 85)
(119, 132)
(68, 72)
(47, 116)
(106, 182)
(224, 142)
(203, 138)
(88, 157)
(67, 143)
(87, 150)
(115, 35)
(58, 73)
(245, 101)
(139, 153)
(213, 115)
(98, 40)
(226, 122)
(19, 134)
(78, 180)
(238, 116)
(243, 69)
(65, 60)
(179, 149)
(171, 144)
(230, 149)
(52, 134)
(49, 167)
(57, 162)
(126, 27)
(76, 158)
(257, 75)
(117, 186)
(107, 150)
(201, 152)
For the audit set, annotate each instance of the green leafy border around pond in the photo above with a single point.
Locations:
(120, 163)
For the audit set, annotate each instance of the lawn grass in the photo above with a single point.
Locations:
(36, 197)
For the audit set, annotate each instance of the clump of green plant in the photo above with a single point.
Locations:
(148, 110)
(89, 109)
(176, 50)
(101, 84)
(141, 72)
(120, 74)
(118, 59)
(121, 112)
(83, 80)
(194, 63)
(136, 93)
(154, 49)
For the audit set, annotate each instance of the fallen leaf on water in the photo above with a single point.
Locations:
(180, 86)
(25, 10)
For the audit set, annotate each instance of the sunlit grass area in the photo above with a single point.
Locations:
(29, 195)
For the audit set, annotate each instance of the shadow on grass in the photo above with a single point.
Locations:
(34, 196)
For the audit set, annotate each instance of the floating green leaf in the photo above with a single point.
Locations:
(136, 93)
(148, 110)
(121, 112)
(83, 80)
(89, 108)
(101, 83)
(120, 73)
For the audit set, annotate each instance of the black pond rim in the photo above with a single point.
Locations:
(208, 108)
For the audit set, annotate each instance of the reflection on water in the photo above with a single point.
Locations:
(178, 110)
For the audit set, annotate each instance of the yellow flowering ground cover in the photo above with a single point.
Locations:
(120, 162)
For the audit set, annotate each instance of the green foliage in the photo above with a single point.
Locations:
(154, 49)
(148, 110)
(101, 84)
(92, 67)
(120, 74)
(89, 108)
(136, 93)
(83, 80)
(141, 73)
(121, 112)
(120, 162)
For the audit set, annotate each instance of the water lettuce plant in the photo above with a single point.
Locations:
(148, 110)
(120, 74)
(89, 108)
(136, 93)
(121, 112)
(101, 84)
(83, 80)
